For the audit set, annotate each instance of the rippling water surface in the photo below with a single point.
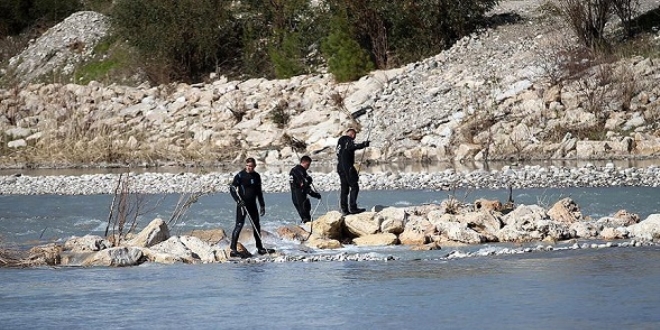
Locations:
(601, 288)
(47, 217)
(586, 289)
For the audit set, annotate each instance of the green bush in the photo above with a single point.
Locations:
(278, 36)
(287, 58)
(347, 61)
(186, 38)
(396, 32)
(279, 115)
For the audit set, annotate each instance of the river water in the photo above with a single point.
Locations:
(609, 288)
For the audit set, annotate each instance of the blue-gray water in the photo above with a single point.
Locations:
(610, 288)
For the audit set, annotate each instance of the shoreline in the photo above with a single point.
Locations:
(320, 166)
(516, 177)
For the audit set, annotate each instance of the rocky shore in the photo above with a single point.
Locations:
(497, 94)
(537, 176)
(448, 225)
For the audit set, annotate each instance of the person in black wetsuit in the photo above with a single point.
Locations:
(348, 175)
(301, 186)
(246, 191)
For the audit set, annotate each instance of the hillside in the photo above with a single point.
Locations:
(506, 92)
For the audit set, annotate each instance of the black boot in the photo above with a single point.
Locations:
(357, 210)
(265, 251)
(234, 254)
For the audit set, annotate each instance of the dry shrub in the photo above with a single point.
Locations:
(125, 210)
(337, 99)
(37, 256)
(279, 114)
(295, 144)
(587, 19)
(237, 107)
(11, 46)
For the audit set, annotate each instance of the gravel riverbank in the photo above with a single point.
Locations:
(588, 175)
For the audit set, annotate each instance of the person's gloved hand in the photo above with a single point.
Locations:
(315, 195)
(309, 180)
(262, 210)
(366, 143)
(241, 203)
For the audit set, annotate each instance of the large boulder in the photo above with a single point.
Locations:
(417, 231)
(155, 232)
(329, 225)
(484, 223)
(392, 220)
(521, 224)
(459, 232)
(583, 229)
(555, 231)
(610, 233)
(178, 249)
(115, 257)
(565, 210)
(483, 204)
(379, 239)
(511, 234)
(524, 214)
(293, 233)
(647, 229)
(621, 218)
(200, 249)
(210, 236)
(87, 243)
(160, 257)
(317, 242)
(362, 224)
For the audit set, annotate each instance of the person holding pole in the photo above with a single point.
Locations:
(246, 191)
(348, 175)
(301, 186)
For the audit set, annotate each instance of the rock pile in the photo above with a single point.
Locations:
(420, 227)
(491, 96)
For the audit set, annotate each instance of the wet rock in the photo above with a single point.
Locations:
(379, 239)
(115, 257)
(210, 236)
(293, 233)
(87, 243)
(318, 242)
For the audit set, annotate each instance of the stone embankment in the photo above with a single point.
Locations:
(508, 176)
(501, 93)
(422, 227)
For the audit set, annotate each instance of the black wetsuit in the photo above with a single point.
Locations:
(248, 185)
(300, 184)
(348, 175)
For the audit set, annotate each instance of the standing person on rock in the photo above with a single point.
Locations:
(301, 186)
(246, 191)
(348, 175)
